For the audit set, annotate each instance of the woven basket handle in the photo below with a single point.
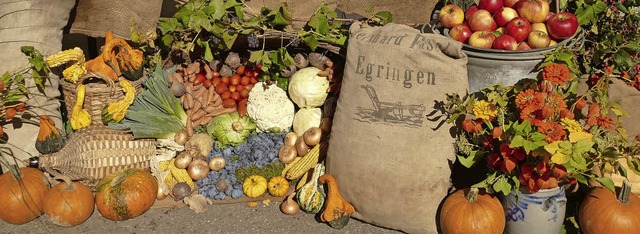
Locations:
(101, 76)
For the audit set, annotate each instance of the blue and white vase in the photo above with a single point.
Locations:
(541, 212)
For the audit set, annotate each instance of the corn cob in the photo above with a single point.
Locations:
(307, 162)
(302, 180)
(286, 168)
(73, 72)
(114, 111)
(180, 175)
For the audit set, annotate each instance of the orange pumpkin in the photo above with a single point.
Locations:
(126, 194)
(69, 204)
(472, 211)
(602, 212)
(22, 192)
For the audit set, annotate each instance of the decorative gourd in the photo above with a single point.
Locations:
(49, 138)
(80, 117)
(22, 192)
(114, 112)
(69, 203)
(126, 194)
(471, 211)
(278, 186)
(311, 196)
(125, 60)
(337, 211)
(254, 186)
(98, 64)
(601, 212)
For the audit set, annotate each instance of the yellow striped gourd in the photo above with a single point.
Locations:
(311, 196)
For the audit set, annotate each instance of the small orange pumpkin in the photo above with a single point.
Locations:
(472, 211)
(278, 186)
(69, 203)
(22, 192)
(126, 194)
(602, 212)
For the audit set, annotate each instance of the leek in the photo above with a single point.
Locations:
(156, 112)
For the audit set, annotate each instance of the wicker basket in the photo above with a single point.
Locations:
(96, 151)
(100, 90)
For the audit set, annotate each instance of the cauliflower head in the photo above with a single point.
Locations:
(270, 108)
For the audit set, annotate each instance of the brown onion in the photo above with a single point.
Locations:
(290, 139)
(312, 136)
(289, 206)
(287, 154)
(198, 169)
(217, 163)
(183, 160)
(181, 137)
(301, 147)
(161, 192)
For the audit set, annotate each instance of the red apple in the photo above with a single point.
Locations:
(482, 39)
(504, 15)
(535, 11)
(551, 13)
(562, 25)
(460, 32)
(538, 39)
(510, 3)
(539, 26)
(482, 21)
(519, 28)
(505, 42)
(470, 11)
(490, 5)
(451, 15)
(523, 46)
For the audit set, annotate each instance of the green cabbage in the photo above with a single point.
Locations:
(307, 89)
(230, 129)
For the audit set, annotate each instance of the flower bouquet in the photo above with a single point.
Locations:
(540, 133)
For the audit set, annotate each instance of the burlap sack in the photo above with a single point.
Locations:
(95, 17)
(388, 150)
(37, 23)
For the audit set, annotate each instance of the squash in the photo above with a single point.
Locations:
(311, 196)
(471, 211)
(602, 212)
(49, 139)
(254, 186)
(278, 186)
(126, 194)
(22, 192)
(80, 117)
(337, 211)
(114, 112)
(69, 203)
(125, 60)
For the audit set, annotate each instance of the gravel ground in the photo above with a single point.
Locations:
(228, 218)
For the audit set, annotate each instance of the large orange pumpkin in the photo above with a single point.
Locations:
(126, 194)
(602, 212)
(69, 203)
(22, 198)
(472, 211)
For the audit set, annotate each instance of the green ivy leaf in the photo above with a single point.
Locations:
(320, 23)
(502, 185)
(606, 182)
(229, 38)
(624, 59)
(208, 56)
(219, 9)
(311, 41)
(589, 14)
(256, 56)
(470, 160)
(283, 15)
(517, 141)
(383, 17)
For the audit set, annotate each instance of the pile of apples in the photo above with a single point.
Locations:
(508, 24)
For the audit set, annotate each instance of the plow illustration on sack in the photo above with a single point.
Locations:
(410, 115)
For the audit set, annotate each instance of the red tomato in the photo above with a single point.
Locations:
(245, 80)
(240, 70)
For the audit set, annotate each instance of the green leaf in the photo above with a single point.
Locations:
(517, 141)
(502, 185)
(283, 15)
(220, 9)
(320, 23)
(256, 56)
(229, 38)
(606, 182)
(623, 59)
(383, 17)
(208, 56)
(470, 160)
(167, 39)
(590, 13)
(311, 41)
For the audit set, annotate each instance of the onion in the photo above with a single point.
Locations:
(216, 163)
(290, 139)
(287, 154)
(312, 136)
(181, 137)
(198, 169)
(289, 206)
(180, 191)
(161, 192)
(301, 147)
(183, 160)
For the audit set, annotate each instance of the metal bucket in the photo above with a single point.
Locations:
(487, 67)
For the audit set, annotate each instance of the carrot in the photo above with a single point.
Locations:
(211, 108)
(207, 72)
(210, 95)
(197, 105)
(189, 102)
(198, 115)
(189, 126)
(242, 107)
(217, 102)
(221, 111)
(204, 120)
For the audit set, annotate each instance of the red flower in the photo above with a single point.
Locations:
(608, 70)
(471, 126)
(559, 171)
(594, 79)
(494, 161)
(581, 103)
(529, 113)
(528, 178)
(496, 133)
(557, 74)
(552, 130)
(525, 98)
(595, 117)
(542, 168)
(487, 143)
(566, 113)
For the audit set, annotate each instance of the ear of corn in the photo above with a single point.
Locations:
(180, 175)
(307, 162)
(302, 181)
(290, 165)
(115, 111)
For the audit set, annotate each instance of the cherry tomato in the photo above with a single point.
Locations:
(207, 83)
(200, 77)
(215, 81)
(240, 87)
(240, 70)
(221, 88)
(253, 80)
(215, 74)
(235, 96)
(229, 103)
(226, 95)
(245, 80)
(232, 88)
(225, 80)
(244, 93)
(235, 79)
